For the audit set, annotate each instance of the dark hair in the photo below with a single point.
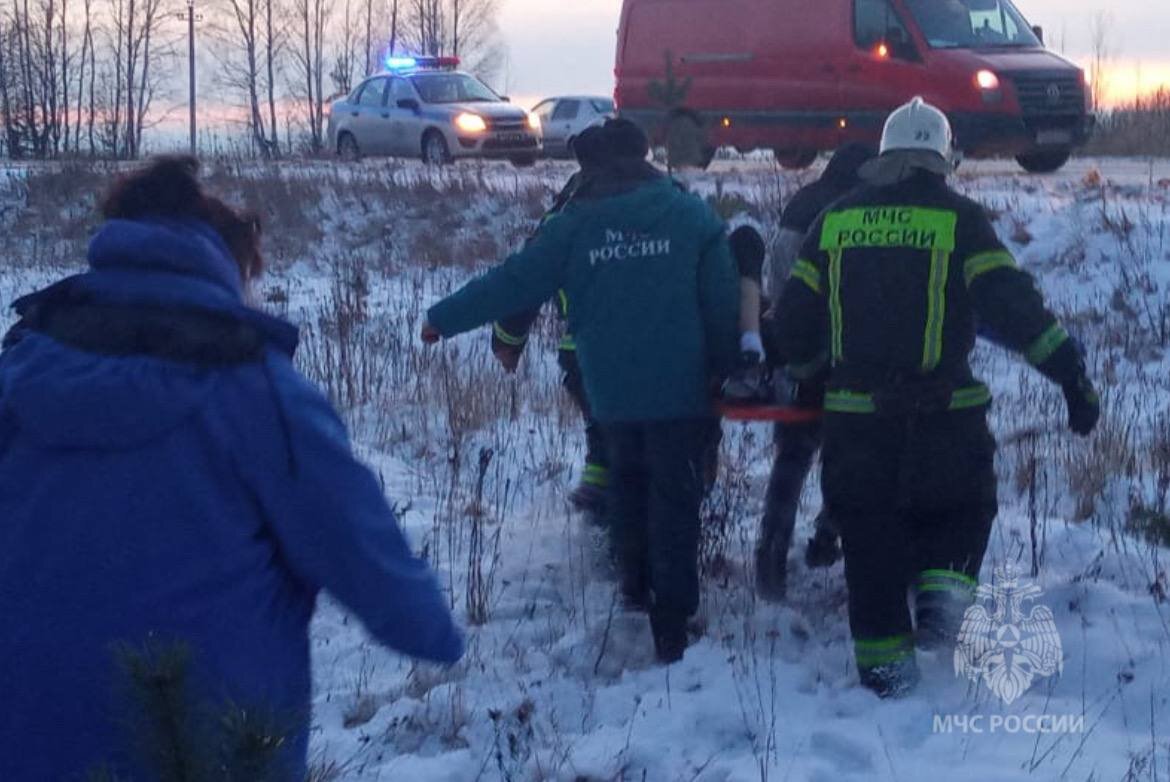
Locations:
(747, 247)
(169, 188)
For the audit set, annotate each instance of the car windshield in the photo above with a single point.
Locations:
(452, 88)
(603, 106)
(972, 24)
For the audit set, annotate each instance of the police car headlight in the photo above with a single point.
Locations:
(534, 122)
(470, 123)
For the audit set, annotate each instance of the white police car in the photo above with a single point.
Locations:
(424, 107)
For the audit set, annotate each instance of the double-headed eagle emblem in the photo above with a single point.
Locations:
(1007, 640)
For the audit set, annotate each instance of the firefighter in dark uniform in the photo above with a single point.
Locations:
(889, 284)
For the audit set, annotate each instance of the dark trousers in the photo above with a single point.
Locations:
(656, 491)
(796, 450)
(596, 451)
(915, 498)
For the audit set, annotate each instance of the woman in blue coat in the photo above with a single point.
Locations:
(168, 478)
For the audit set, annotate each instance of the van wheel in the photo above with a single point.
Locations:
(1044, 161)
(434, 149)
(797, 160)
(686, 144)
(347, 148)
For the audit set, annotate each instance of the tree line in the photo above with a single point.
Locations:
(89, 77)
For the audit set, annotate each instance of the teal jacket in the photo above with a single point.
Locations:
(653, 299)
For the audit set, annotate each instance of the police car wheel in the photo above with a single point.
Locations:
(347, 148)
(434, 149)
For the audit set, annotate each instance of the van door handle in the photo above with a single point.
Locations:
(356, 114)
(386, 116)
(827, 68)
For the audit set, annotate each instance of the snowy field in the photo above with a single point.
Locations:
(559, 683)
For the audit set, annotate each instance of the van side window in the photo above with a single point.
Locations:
(876, 22)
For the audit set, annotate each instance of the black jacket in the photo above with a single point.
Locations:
(889, 285)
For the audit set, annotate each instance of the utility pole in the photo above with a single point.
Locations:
(191, 18)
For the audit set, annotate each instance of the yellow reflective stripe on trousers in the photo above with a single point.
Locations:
(509, 339)
(809, 274)
(861, 403)
(596, 475)
(946, 581)
(978, 265)
(564, 299)
(835, 314)
(876, 652)
(936, 309)
(1048, 343)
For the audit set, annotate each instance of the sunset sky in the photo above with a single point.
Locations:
(567, 46)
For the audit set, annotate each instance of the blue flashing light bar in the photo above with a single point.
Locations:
(414, 63)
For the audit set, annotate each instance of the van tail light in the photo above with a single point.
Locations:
(882, 51)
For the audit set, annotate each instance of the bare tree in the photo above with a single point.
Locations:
(136, 31)
(308, 79)
(1101, 40)
(345, 53)
(466, 29)
(250, 42)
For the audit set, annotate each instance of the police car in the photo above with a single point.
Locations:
(425, 107)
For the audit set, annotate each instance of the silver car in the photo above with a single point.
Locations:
(437, 114)
(565, 117)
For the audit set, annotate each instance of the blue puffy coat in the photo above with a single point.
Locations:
(204, 500)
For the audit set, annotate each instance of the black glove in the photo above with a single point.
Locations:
(1084, 406)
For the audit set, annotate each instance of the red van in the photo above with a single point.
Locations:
(803, 76)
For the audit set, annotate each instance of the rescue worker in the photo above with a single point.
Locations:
(889, 284)
(797, 444)
(653, 302)
(510, 337)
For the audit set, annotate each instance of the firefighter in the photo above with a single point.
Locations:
(797, 444)
(653, 300)
(889, 284)
(510, 337)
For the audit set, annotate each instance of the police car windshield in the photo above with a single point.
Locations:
(972, 24)
(452, 88)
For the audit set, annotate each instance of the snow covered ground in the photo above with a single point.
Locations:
(559, 683)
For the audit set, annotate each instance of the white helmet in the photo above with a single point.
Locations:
(919, 126)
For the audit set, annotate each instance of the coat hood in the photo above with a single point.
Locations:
(117, 356)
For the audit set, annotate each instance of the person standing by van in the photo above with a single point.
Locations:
(797, 444)
(889, 284)
(653, 300)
